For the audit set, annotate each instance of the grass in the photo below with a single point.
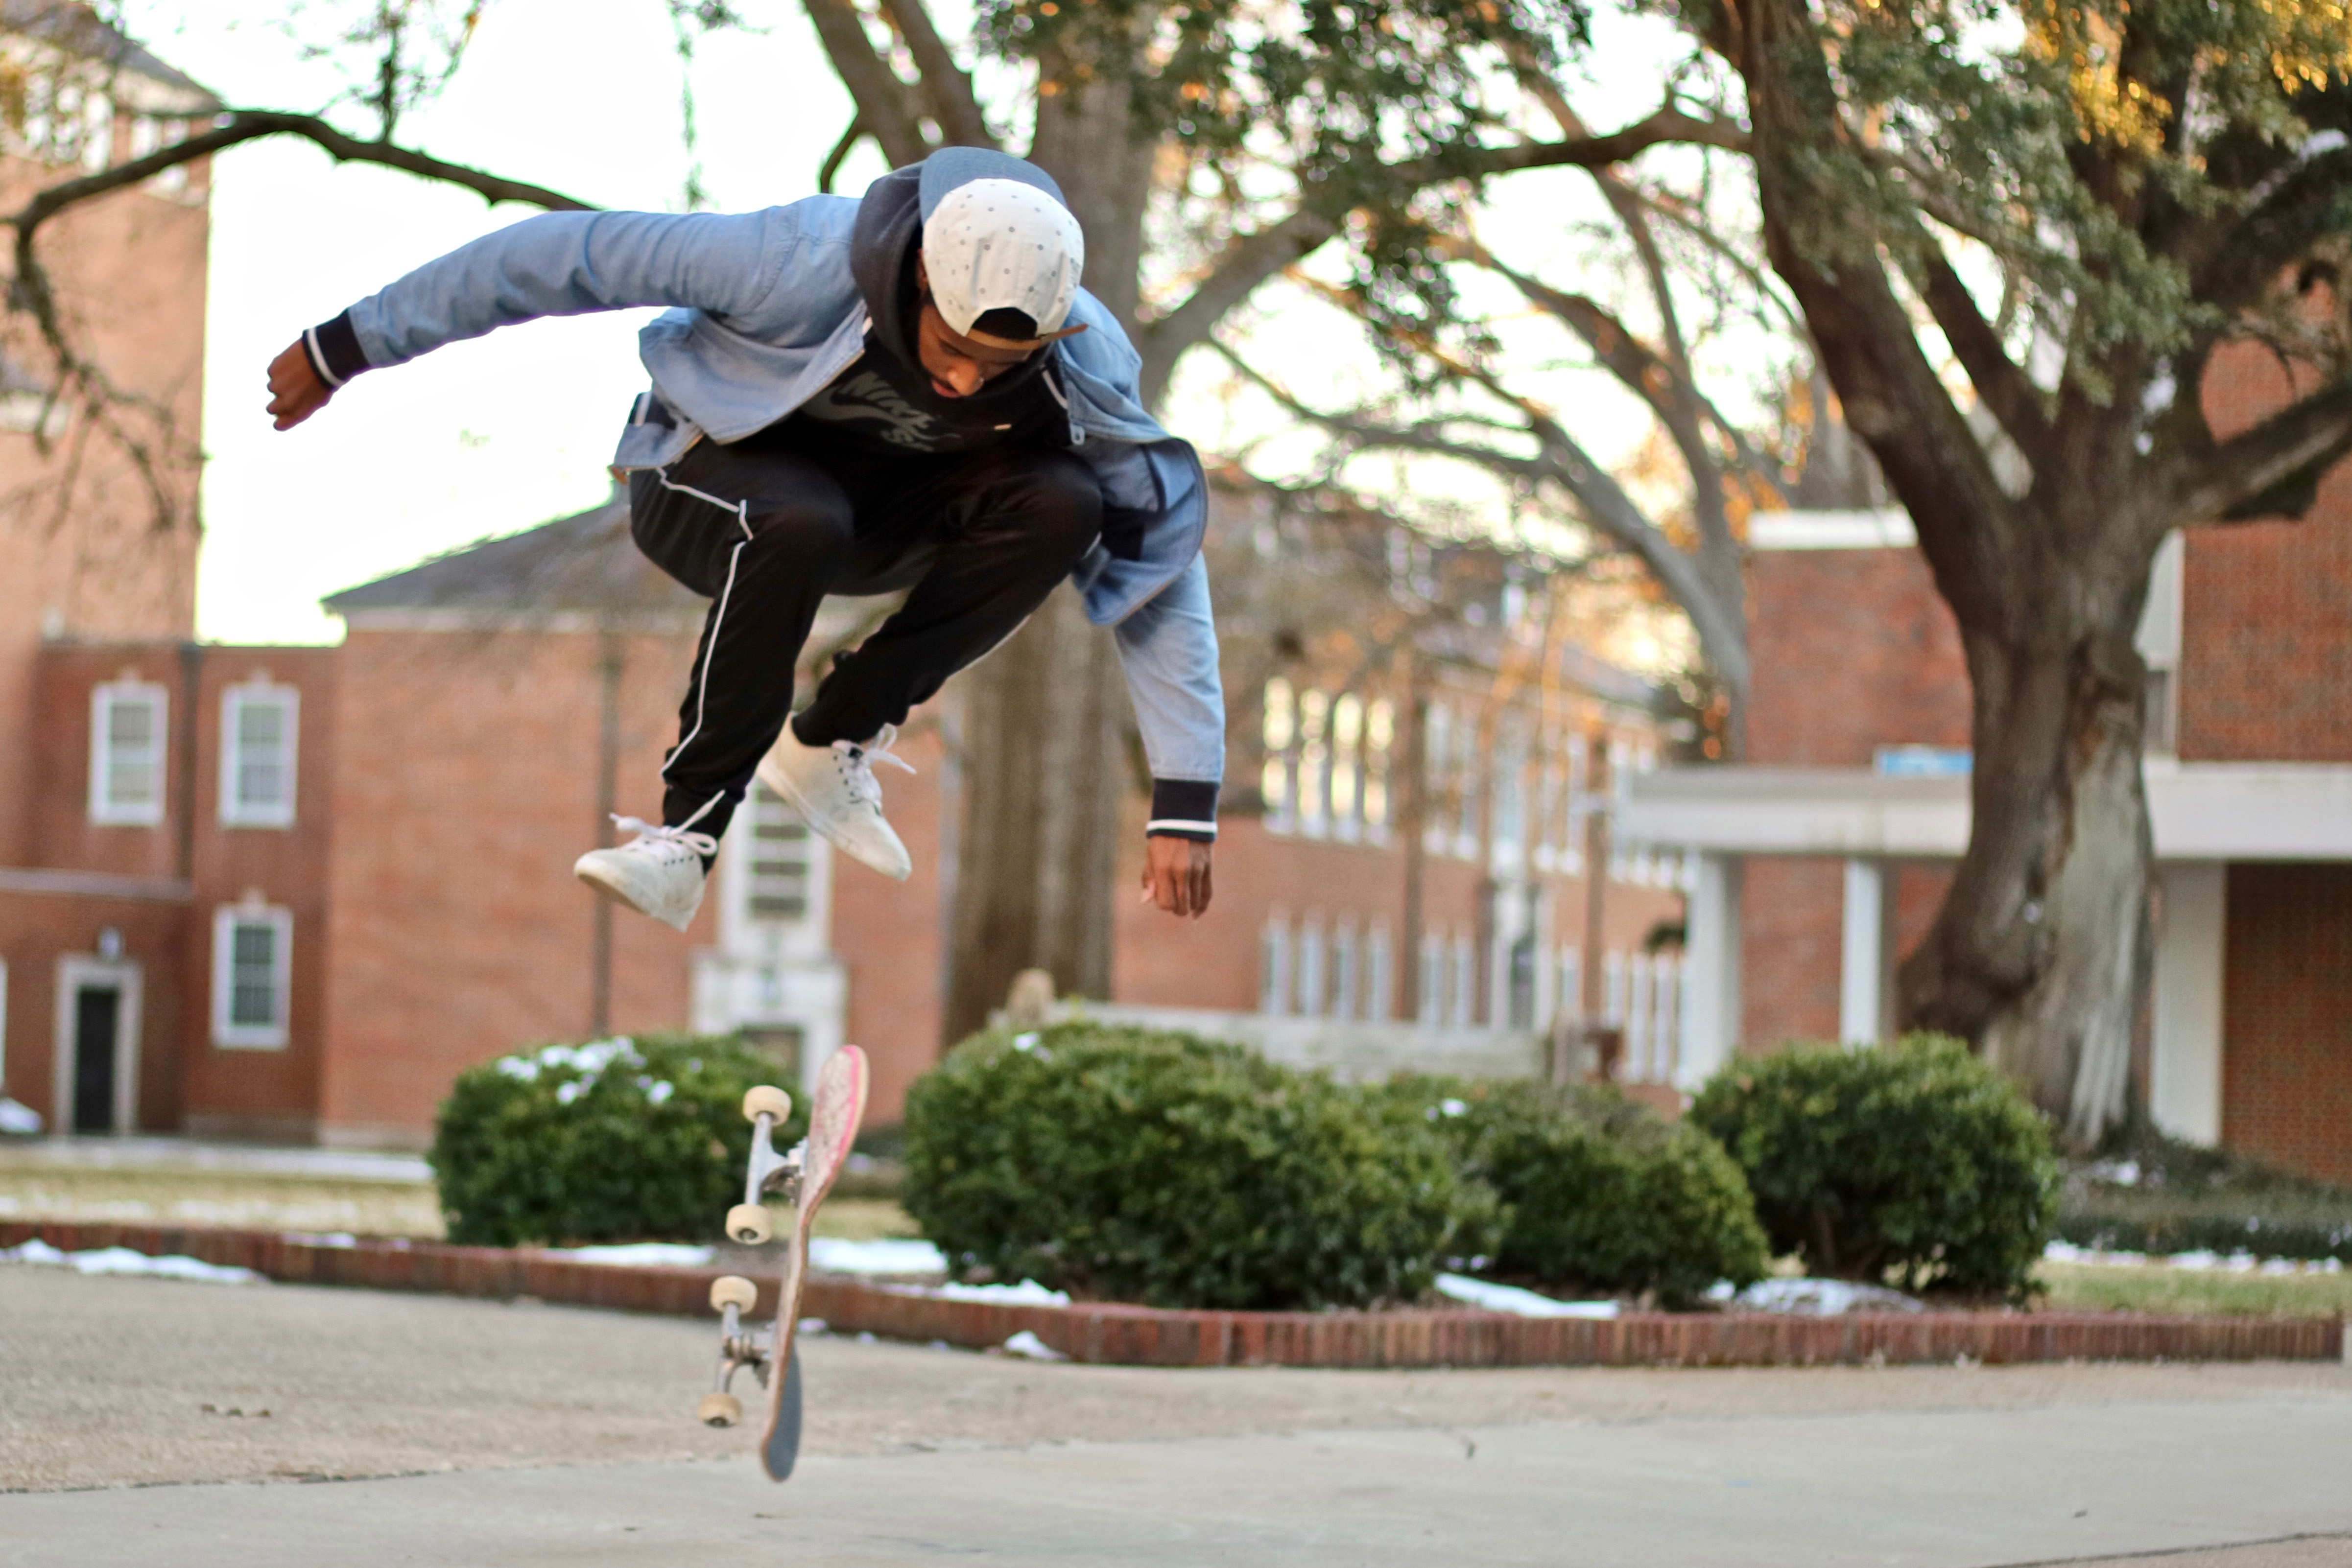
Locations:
(264, 1201)
(244, 1201)
(2103, 1288)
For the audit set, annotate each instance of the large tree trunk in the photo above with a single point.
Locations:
(2042, 951)
(1040, 814)
(1045, 712)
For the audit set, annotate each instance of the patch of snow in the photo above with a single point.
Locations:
(836, 1255)
(1029, 1346)
(657, 1254)
(1027, 1294)
(1824, 1298)
(325, 1238)
(19, 1119)
(1511, 1299)
(814, 1326)
(124, 1260)
(2206, 1260)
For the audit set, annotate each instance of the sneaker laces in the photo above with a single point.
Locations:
(650, 834)
(857, 765)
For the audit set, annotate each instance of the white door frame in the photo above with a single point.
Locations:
(75, 972)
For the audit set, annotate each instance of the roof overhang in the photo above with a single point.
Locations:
(2198, 810)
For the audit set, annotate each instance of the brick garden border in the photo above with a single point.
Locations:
(1146, 1336)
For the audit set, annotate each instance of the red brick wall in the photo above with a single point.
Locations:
(1213, 962)
(1792, 924)
(131, 274)
(1852, 650)
(268, 1091)
(890, 936)
(2286, 1055)
(463, 785)
(2266, 637)
(35, 931)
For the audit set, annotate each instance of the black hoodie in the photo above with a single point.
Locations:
(883, 402)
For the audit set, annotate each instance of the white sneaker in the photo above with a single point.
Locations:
(658, 873)
(834, 790)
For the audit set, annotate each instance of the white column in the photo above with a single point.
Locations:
(1710, 1017)
(1863, 991)
(2184, 1092)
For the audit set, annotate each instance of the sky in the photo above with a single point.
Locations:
(503, 433)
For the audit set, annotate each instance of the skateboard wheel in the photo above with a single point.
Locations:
(733, 1291)
(719, 1410)
(749, 1224)
(767, 1100)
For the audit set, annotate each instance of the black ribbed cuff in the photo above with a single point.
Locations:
(334, 351)
(1184, 809)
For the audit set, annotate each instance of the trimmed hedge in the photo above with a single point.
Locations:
(1144, 1165)
(2161, 1195)
(1913, 1159)
(619, 1140)
(1597, 1192)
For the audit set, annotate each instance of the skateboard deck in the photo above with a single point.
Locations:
(808, 1172)
(832, 1127)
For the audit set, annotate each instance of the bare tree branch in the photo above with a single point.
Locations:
(947, 86)
(2006, 391)
(2291, 446)
(884, 103)
(1246, 262)
(1252, 258)
(1561, 461)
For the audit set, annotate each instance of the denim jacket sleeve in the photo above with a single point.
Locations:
(1168, 649)
(569, 264)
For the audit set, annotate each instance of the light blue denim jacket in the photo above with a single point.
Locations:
(764, 315)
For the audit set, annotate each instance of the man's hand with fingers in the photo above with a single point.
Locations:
(1176, 875)
(296, 389)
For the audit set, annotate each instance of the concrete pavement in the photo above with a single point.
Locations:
(553, 1435)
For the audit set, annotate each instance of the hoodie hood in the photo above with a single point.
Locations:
(882, 246)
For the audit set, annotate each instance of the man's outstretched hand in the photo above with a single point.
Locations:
(1176, 875)
(296, 392)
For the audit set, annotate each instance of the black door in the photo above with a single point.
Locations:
(98, 1010)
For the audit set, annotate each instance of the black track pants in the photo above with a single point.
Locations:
(766, 529)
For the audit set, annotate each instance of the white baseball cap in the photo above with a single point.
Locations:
(996, 243)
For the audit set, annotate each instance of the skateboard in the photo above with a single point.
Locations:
(804, 1176)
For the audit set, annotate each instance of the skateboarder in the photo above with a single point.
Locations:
(903, 390)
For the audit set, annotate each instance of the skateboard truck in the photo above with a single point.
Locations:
(748, 1223)
(740, 1346)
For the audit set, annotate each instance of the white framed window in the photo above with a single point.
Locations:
(1345, 982)
(1432, 1010)
(127, 747)
(1274, 967)
(261, 730)
(253, 975)
(1314, 980)
(1380, 982)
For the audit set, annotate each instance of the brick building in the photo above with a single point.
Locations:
(1824, 859)
(98, 880)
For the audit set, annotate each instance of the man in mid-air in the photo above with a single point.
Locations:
(906, 391)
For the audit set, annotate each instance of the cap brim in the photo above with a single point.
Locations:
(1023, 345)
(949, 167)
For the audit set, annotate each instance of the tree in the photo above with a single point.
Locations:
(1209, 144)
(2088, 208)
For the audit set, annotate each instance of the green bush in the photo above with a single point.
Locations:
(1914, 1159)
(2159, 1194)
(1597, 1192)
(622, 1140)
(1142, 1165)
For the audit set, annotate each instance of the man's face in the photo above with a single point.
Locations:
(959, 366)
